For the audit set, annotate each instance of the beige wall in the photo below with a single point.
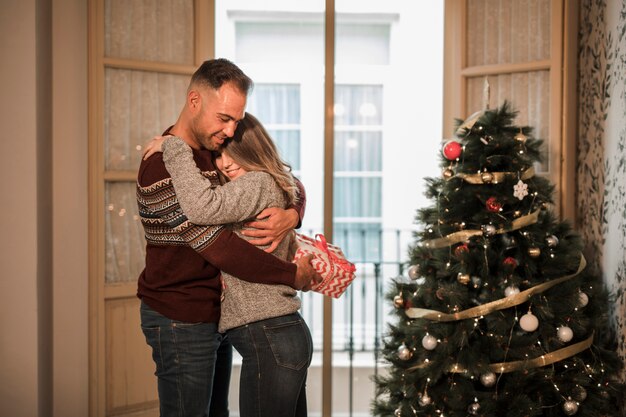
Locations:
(43, 288)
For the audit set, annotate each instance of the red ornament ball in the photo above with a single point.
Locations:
(452, 150)
(461, 249)
(510, 262)
(493, 205)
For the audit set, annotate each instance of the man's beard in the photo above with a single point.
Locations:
(203, 139)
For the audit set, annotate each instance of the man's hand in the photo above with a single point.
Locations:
(272, 225)
(155, 145)
(306, 276)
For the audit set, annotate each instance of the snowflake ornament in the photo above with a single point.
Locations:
(520, 190)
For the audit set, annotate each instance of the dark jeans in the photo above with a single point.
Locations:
(187, 357)
(276, 356)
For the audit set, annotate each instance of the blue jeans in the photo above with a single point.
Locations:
(276, 356)
(188, 356)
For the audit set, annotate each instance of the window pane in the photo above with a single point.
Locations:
(510, 31)
(359, 241)
(150, 30)
(125, 242)
(358, 105)
(277, 106)
(358, 197)
(136, 106)
(358, 151)
(275, 103)
(528, 93)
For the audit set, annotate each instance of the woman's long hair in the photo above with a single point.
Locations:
(252, 148)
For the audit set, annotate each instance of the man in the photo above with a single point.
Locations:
(179, 287)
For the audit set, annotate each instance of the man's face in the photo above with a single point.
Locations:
(217, 115)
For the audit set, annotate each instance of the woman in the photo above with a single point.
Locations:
(261, 321)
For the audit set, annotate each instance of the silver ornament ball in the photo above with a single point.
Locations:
(404, 353)
(489, 230)
(414, 272)
(473, 409)
(552, 241)
(398, 412)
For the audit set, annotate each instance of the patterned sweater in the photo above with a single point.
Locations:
(235, 202)
(183, 260)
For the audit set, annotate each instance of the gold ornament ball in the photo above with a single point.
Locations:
(534, 252)
(463, 278)
(570, 407)
(448, 173)
(520, 137)
(486, 177)
(424, 400)
(398, 301)
(488, 379)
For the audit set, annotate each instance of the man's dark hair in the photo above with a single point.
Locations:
(216, 72)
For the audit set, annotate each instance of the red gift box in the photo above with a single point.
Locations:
(329, 261)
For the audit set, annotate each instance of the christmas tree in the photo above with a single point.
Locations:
(500, 317)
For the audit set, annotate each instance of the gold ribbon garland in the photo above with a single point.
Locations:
(497, 177)
(501, 304)
(543, 360)
(463, 235)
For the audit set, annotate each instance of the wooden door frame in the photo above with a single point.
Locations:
(204, 35)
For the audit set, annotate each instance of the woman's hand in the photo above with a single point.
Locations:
(155, 145)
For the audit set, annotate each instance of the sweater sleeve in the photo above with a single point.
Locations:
(165, 224)
(205, 204)
(300, 205)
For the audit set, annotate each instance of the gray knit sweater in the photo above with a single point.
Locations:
(233, 203)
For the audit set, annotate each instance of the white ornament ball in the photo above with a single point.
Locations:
(404, 352)
(583, 299)
(414, 272)
(570, 407)
(565, 334)
(429, 342)
(488, 379)
(511, 290)
(398, 412)
(529, 322)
